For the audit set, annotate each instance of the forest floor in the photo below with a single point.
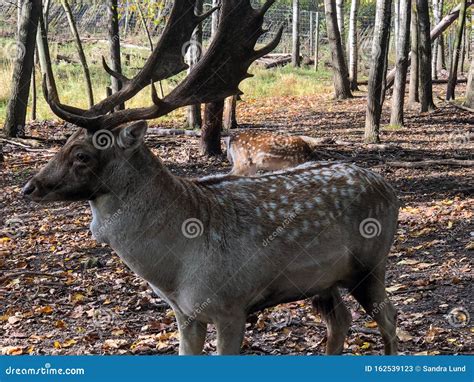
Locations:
(62, 293)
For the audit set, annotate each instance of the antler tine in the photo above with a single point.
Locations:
(266, 6)
(270, 46)
(67, 113)
(113, 73)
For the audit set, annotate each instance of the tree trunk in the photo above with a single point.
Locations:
(295, 51)
(453, 70)
(230, 114)
(413, 96)
(340, 21)
(114, 44)
(340, 75)
(17, 105)
(43, 52)
(376, 88)
(441, 62)
(143, 21)
(213, 112)
(437, 19)
(396, 23)
(469, 102)
(211, 129)
(214, 18)
(33, 93)
(425, 84)
(80, 50)
(464, 49)
(403, 47)
(353, 51)
(193, 115)
(316, 43)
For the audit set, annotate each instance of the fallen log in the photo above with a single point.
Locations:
(462, 107)
(273, 60)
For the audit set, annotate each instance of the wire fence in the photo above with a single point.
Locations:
(92, 22)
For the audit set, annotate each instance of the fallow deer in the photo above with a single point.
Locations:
(251, 151)
(219, 248)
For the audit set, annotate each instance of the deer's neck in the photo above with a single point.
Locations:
(142, 218)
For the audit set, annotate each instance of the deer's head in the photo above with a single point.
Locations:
(85, 166)
(80, 170)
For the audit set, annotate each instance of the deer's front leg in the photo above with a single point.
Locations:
(230, 334)
(192, 335)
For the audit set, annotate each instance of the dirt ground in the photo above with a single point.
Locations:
(62, 293)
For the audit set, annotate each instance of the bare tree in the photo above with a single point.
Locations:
(413, 95)
(23, 67)
(340, 20)
(210, 143)
(316, 43)
(453, 69)
(340, 74)
(295, 51)
(80, 50)
(230, 113)
(353, 48)
(114, 44)
(425, 84)
(376, 88)
(436, 42)
(193, 115)
(396, 22)
(403, 47)
(469, 102)
(214, 18)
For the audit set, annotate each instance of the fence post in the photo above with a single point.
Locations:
(310, 33)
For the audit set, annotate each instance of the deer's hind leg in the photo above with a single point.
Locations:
(370, 293)
(331, 307)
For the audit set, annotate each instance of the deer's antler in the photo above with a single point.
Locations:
(216, 76)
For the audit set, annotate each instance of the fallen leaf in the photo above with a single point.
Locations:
(403, 335)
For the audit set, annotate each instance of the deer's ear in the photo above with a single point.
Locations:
(132, 135)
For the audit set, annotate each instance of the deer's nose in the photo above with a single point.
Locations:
(29, 188)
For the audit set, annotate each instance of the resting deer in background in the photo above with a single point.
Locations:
(251, 151)
(219, 248)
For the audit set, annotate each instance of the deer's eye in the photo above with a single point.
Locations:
(81, 157)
